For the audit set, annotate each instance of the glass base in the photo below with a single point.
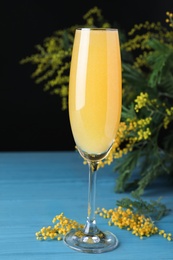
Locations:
(99, 243)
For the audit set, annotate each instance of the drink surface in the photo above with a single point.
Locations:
(95, 91)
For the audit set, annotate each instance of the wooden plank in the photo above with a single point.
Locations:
(35, 186)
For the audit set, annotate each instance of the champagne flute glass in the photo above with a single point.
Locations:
(95, 97)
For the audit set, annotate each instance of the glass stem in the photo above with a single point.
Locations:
(90, 227)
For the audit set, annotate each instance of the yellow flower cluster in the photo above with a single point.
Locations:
(60, 229)
(146, 25)
(93, 18)
(168, 118)
(136, 129)
(141, 101)
(143, 134)
(116, 151)
(138, 40)
(139, 225)
(141, 33)
(169, 20)
(140, 60)
(129, 133)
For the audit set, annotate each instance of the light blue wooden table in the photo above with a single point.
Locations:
(36, 186)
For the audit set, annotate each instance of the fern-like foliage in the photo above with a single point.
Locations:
(148, 93)
(143, 148)
(153, 209)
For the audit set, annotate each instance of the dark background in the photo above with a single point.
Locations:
(31, 119)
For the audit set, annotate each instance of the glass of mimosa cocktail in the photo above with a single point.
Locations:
(95, 97)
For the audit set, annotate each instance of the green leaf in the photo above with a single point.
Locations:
(154, 209)
(128, 112)
(158, 59)
(125, 168)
